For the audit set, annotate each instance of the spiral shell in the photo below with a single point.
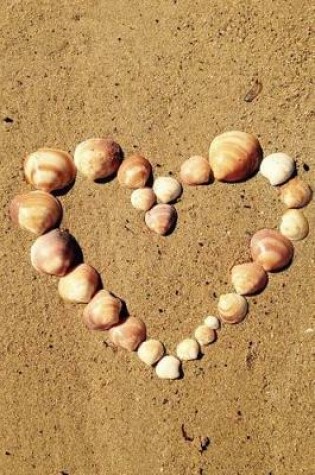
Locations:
(161, 218)
(97, 158)
(79, 285)
(167, 189)
(296, 193)
(249, 278)
(195, 171)
(232, 308)
(143, 199)
(271, 250)
(294, 225)
(102, 312)
(277, 168)
(169, 367)
(134, 172)
(150, 352)
(129, 334)
(234, 156)
(188, 350)
(205, 335)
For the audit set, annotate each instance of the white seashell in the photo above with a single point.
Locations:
(167, 189)
(294, 225)
(232, 308)
(212, 322)
(150, 352)
(169, 367)
(205, 335)
(296, 193)
(188, 349)
(80, 284)
(195, 171)
(143, 199)
(277, 168)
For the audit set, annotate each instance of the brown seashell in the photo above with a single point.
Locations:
(271, 250)
(232, 308)
(129, 334)
(102, 312)
(234, 156)
(195, 171)
(249, 278)
(79, 285)
(98, 158)
(161, 218)
(134, 172)
(296, 193)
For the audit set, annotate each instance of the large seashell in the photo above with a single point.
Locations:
(234, 156)
(49, 169)
(167, 189)
(53, 253)
(249, 278)
(205, 335)
(188, 349)
(80, 284)
(195, 171)
(36, 211)
(232, 308)
(277, 168)
(134, 172)
(150, 352)
(271, 250)
(169, 367)
(102, 312)
(212, 322)
(98, 158)
(129, 334)
(294, 225)
(161, 218)
(143, 199)
(296, 193)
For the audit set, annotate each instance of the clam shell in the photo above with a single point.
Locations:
(129, 334)
(79, 285)
(294, 225)
(188, 350)
(103, 311)
(296, 193)
(249, 278)
(161, 218)
(169, 367)
(134, 172)
(277, 168)
(97, 158)
(143, 199)
(150, 352)
(212, 322)
(167, 189)
(271, 250)
(195, 171)
(232, 308)
(205, 335)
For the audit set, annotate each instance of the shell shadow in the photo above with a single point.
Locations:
(64, 190)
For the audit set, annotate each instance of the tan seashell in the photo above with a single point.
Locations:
(161, 218)
(249, 278)
(188, 350)
(296, 193)
(134, 172)
(103, 311)
(212, 322)
(205, 335)
(169, 367)
(53, 253)
(271, 250)
(294, 225)
(277, 168)
(234, 156)
(167, 189)
(143, 199)
(79, 285)
(49, 169)
(36, 211)
(129, 334)
(98, 158)
(150, 352)
(232, 308)
(195, 171)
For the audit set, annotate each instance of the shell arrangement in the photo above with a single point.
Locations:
(233, 156)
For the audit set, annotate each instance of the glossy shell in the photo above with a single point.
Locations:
(232, 308)
(97, 158)
(271, 250)
(249, 278)
(195, 171)
(294, 225)
(161, 218)
(103, 311)
(79, 285)
(129, 334)
(134, 172)
(277, 168)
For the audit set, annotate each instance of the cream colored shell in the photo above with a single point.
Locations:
(294, 225)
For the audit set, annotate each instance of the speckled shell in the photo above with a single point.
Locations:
(271, 250)
(232, 308)
(277, 168)
(134, 172)
(150, 352)
(294, 225)
(161, 218)
(296, 193)
(188, 349)
(249, 278)
(169, 367)
(167, 189)
(143, 199)
(103, 311)
(195, 171)
(79, 285)
(97, 158)
(129, 334)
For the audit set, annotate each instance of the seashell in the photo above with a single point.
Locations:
(49, 169)
(129, 334)
(234, 156)
(161, 218)
(232, 308)
(277, 168)
(195, 171)
(294, 225)
(167, 189)
(53, 253)
(97, 158)
(143, 199)
(103, 311)
(249, 278)
(212, 322)
(271, 250)
(134, 172)
(188, 349)
(36, 211)
(150, 352)
(80, 284)
(169, 367)
(205, 335)
(296, 193)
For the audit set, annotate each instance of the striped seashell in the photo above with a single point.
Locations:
(134, 172)
(271, 250)
(232, 308)
(129, 334)
(97, 158)
(249, 278)
(161, 218)
(102, 312)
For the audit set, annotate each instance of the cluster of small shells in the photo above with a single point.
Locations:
(233, 156)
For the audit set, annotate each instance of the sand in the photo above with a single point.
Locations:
(163, 78)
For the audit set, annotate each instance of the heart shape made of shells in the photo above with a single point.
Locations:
(233, 156)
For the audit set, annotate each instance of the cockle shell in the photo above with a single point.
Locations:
(49, 169)
(143, 199)
(205, 335)
(232, 308)
(188, 349)
(103, 311)
(271, 250)
(161, 218)
(212, 322)
(79, 285)
(249, 278)
(167, 189)
(97, 158)
(36, 211)
(129, 334)
(234, 156)
(294, 225)
(195, 171)
(134, 172)
(169, 367)
(150, 352)
(296, 193)
(277, 168)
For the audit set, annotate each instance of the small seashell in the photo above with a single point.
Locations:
(103, 311)
(249, 278)
(234, 156)
(169, 367)
(161, 218)
(167, 189)
(212, 322)
(80, 284)
(188, 349)
(49, 169)
(296, 193)
(97, 158)
(205, 335)
(294, 225)
(277, 168)
(271, 250)
(36, 211)
(53, 253)
(150, 352)
(129, 334)
(134, 172)
(195, 171)
(143, 199)
(232, 308)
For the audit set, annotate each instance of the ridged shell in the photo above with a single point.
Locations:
(134, 172)
(188, 349)
(167, 189)
(296, 193)
(150, 352)
(169, 367)
(232, 308)
(143, 199)
(205, 335)
(195, 171)
(129, 334)
(79, 285)
(98, 158)
(277, 168)
(294, 225)
(103, 311)
(161, 218)
(249, 278)
(271, 250)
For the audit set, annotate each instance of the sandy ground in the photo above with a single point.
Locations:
(162, 77)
